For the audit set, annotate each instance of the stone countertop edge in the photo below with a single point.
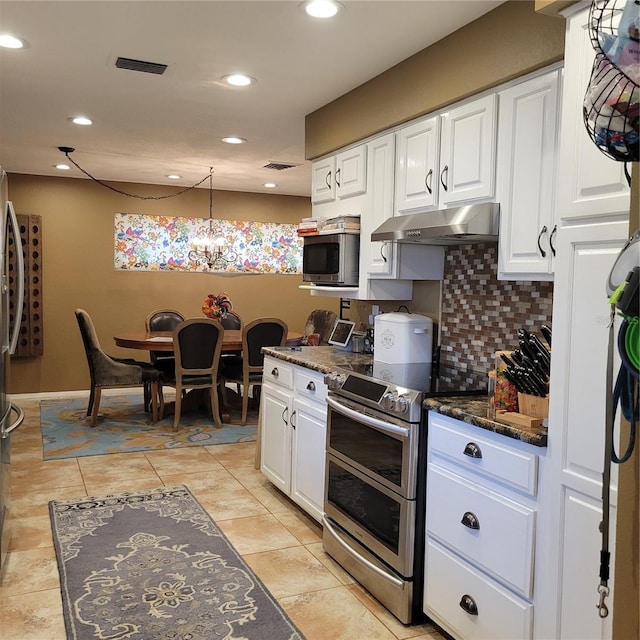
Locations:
(323, 359)
(473, 411)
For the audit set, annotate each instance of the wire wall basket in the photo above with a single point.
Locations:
(612, 101)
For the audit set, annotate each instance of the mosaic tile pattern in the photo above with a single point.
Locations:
(481, 314)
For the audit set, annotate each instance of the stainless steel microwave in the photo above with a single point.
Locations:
(331, 259)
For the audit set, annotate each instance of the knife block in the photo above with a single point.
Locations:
(533, 406)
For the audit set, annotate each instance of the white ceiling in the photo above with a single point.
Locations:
(147, 126)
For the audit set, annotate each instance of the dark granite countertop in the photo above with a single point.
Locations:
(322, 359)
(473, 411)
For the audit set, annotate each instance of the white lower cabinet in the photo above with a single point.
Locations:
(481, 517)
(293, 432)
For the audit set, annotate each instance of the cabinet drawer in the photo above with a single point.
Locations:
(504, 538)
(492, 458)
(278, 372)
(310, 384)
(451, 581)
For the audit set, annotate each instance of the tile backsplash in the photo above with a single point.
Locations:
(480, 314)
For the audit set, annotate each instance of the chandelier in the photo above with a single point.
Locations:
(209, 249)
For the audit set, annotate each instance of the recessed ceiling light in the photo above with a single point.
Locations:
(63, 167)
(11, 42)
(234, 140)
(174, 176)
(83, 120)
(322, 8)
(238, 79)
(270, 185)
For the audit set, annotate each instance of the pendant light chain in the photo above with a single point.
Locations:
(68, 150)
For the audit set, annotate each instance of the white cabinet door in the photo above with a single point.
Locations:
(276, 436)
(323, 186)
(308, 456)
(589, 183)
(378, 258)
(527, 142)
(417, 166)
(467, 152)
(351, 172)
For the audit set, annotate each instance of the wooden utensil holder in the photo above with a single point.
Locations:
(533, 406)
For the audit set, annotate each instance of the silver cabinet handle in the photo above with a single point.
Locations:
(468, 604)
(470, 520)
(428, 179)
(311, 386)
(445, 170)
(472, 450)
(285, 411)
(543, 253)
(274, 372)
(382, 246)
(18, 421)
(553, 233)
(15, 331)
(327, 179)
(291, 422)
(338, 176)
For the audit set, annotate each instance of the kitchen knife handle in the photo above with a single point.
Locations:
(553, 233)
(472, 450)
(442, 182)
(545, 330)
(543, 253)
(428, 180)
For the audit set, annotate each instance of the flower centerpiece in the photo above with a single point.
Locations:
(216, 307)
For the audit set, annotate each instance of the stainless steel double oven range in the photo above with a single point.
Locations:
(374, 517)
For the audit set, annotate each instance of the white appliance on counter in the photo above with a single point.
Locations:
(8, 341)
(402, 348)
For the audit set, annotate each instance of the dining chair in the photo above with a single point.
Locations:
(231, 320)
(108, 371)
(198, 343)
(320, 321)
(161, 320)
(247, 370)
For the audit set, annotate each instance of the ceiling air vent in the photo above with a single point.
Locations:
(280, 166)
(141, 65)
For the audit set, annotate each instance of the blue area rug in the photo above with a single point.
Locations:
(152, 564)
(124, 426)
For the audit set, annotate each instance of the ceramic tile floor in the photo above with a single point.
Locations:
(280, 542)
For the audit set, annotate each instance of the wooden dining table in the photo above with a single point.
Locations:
(163, 340)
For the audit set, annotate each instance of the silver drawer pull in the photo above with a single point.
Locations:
(470, 520)
(274, 372)
(472, 450)
(311, 386)
(469, 605)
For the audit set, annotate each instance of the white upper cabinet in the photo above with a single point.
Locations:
(447, 159)
(467, 152)
(589, 182)
(418, 149)
(340, 176)
(527, 142)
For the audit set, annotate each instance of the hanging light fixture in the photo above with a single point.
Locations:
(209, 248)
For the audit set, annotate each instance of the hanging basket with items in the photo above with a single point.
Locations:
(612, 101)
(216, 307)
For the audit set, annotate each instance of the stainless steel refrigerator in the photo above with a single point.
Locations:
(11, 416)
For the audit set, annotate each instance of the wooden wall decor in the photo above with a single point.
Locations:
(31, 328)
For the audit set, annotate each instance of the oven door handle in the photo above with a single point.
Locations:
(370, 421)
(351, 551)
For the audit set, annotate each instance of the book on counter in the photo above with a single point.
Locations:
(340, 224)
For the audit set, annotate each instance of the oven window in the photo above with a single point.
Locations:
(379, 453)
(364, 504)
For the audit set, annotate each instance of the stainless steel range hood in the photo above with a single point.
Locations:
(461, 225)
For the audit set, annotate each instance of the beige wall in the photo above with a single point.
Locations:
(508, 42)
(77, 254)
